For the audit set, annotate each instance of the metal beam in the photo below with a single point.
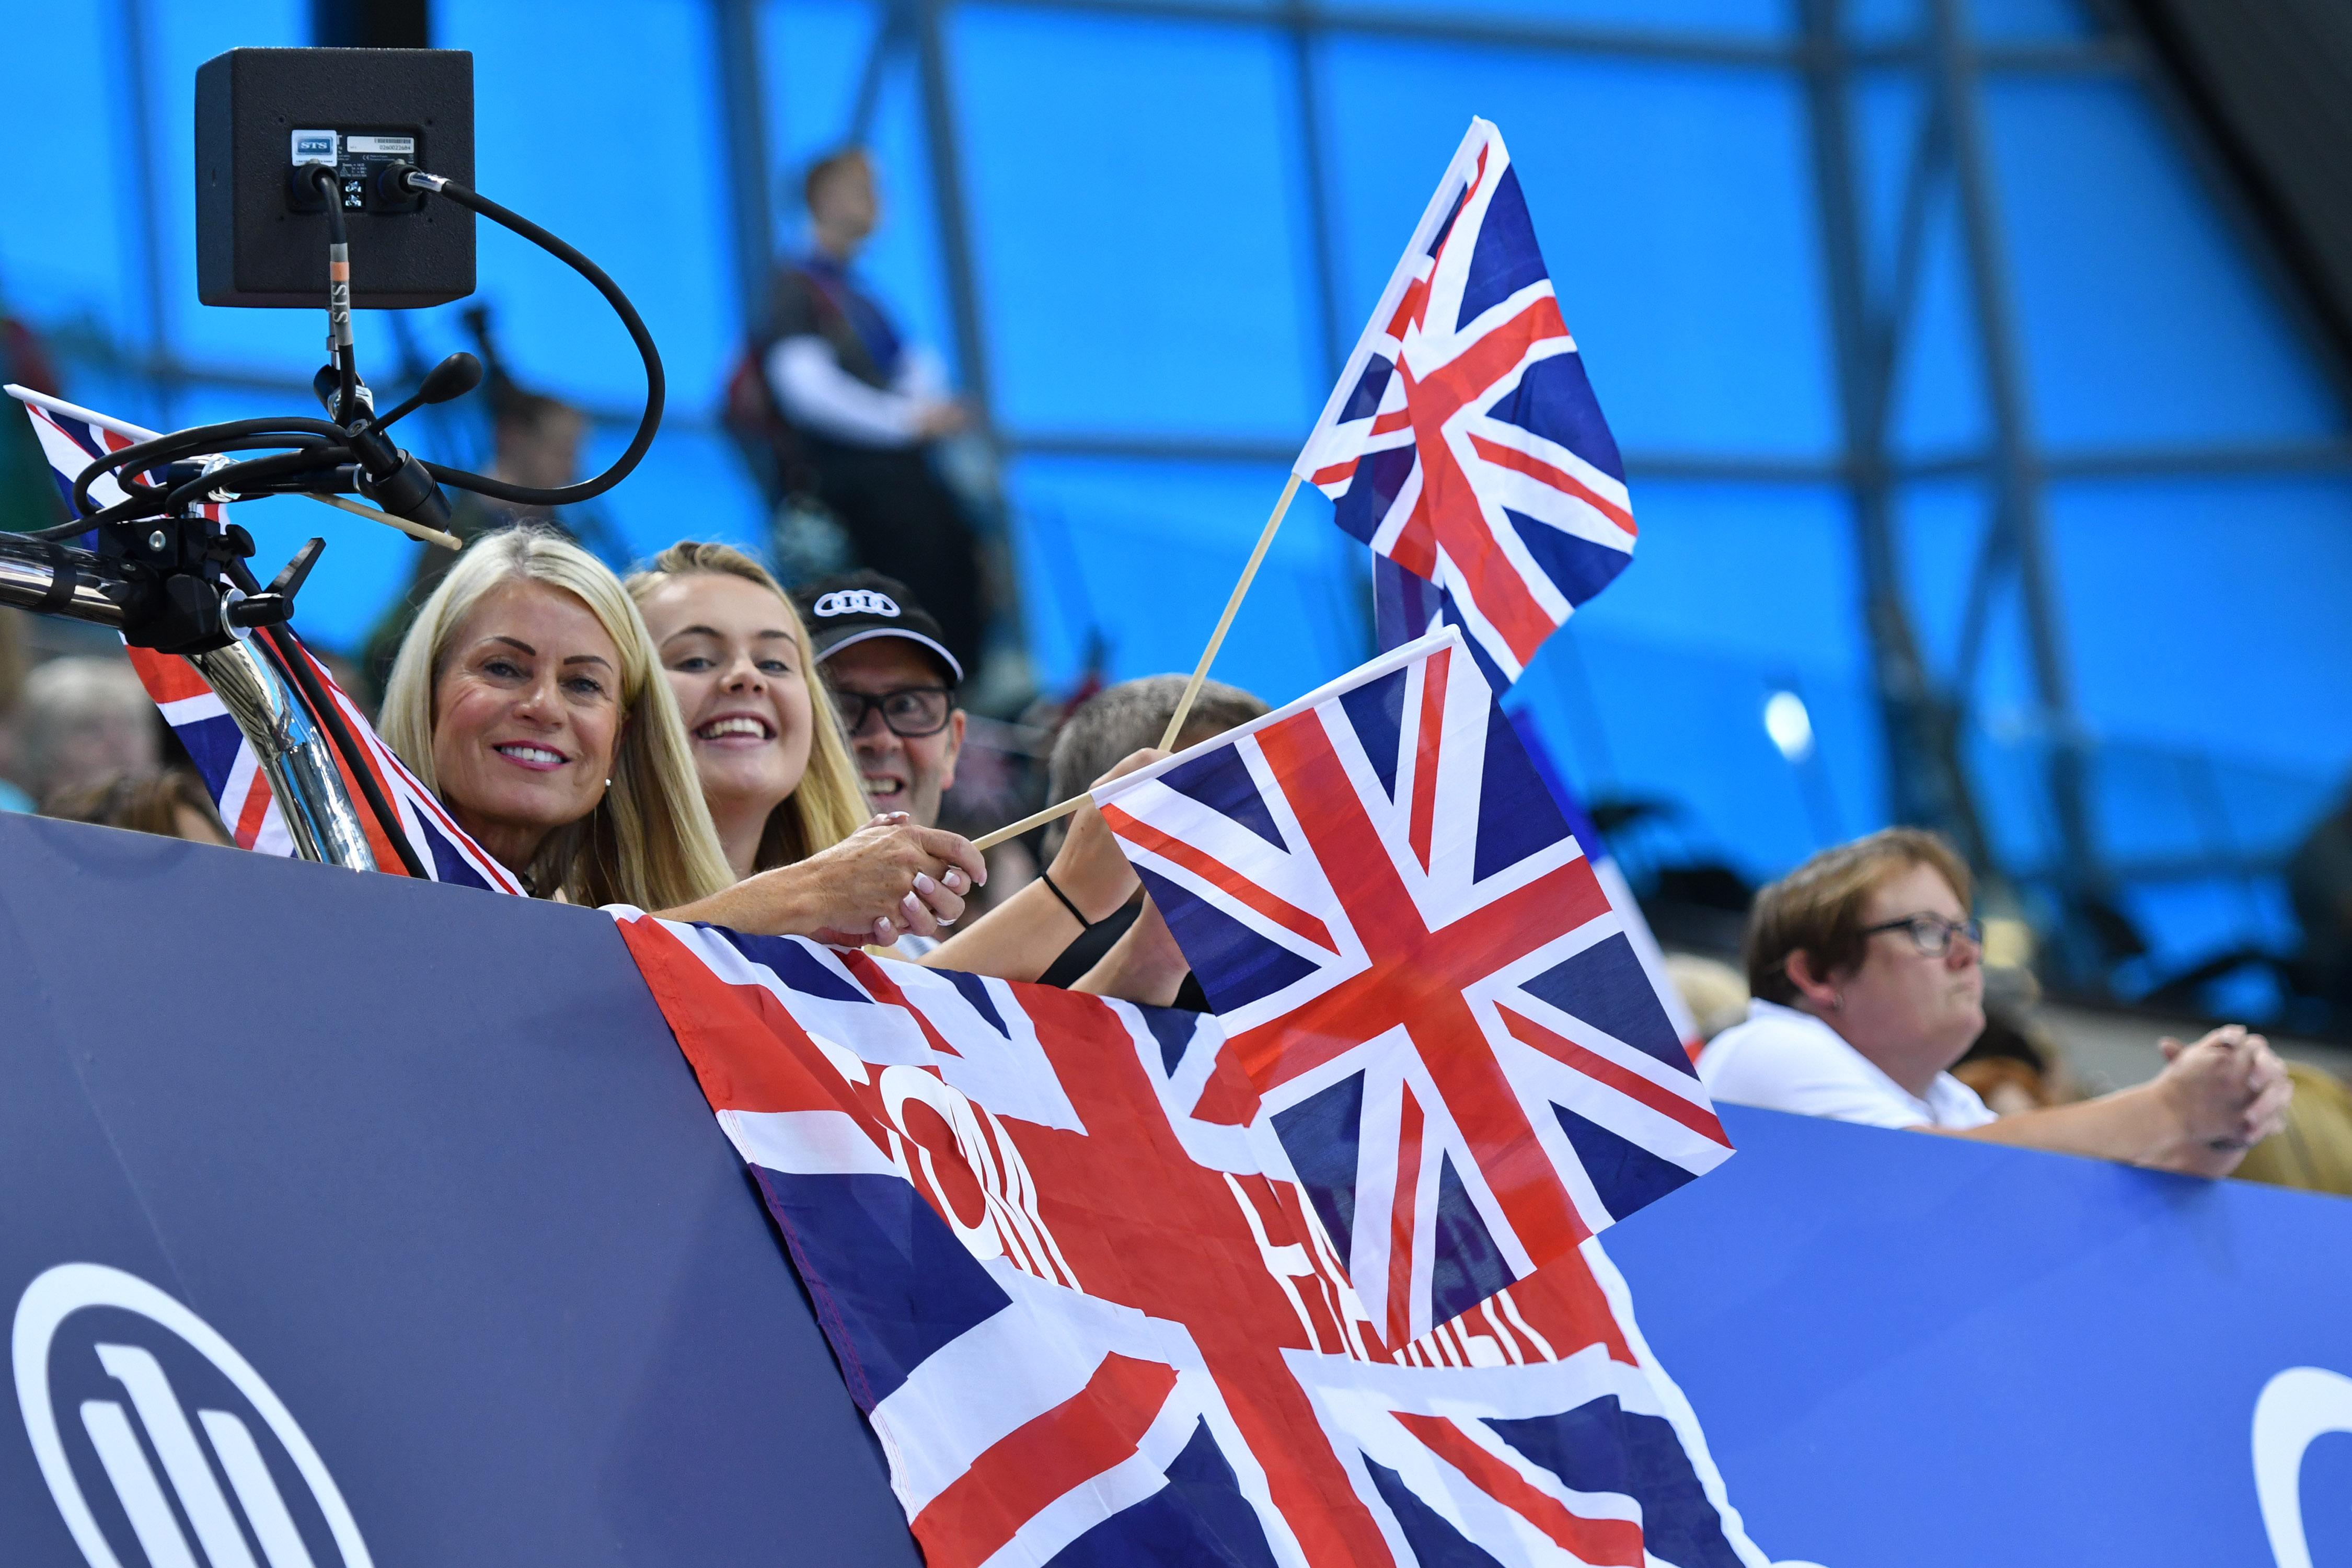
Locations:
(145, 190)
(941, 143)
(1300, 18)
(1928, 783)
(1694, 46)
(2016, 473)
(888, 33)
(743, 133)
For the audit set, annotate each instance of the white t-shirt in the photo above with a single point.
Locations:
(1781, 1060)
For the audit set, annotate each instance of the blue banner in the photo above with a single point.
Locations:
(402, 1196)
(380, 1221)
(1914, 1351)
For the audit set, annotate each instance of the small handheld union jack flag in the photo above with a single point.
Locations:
(1463, 442)
(1438, 1016)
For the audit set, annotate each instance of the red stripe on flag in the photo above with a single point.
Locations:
(1394, 420)
(1511, 457)
(1282, 912)
(1424, 767)
(250, 816)
(1616, 1542)
(1600, 1069)
(1068, 1446)
(872, 976)
(1400, 1212)
(167, 677)
(1335, 473)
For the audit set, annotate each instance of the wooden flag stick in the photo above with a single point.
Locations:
(414, 529)
(1225, 621)
(1035, 819)
(1191, 687)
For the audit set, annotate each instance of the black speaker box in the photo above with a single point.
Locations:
(255, 248)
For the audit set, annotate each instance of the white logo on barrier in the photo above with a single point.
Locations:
(2297, 1408)
(71, 1288)
(856, 602)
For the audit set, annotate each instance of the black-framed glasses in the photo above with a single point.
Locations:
(1932, 934)
(910, 713)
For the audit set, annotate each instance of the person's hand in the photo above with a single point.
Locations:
(1090, 869)
(2230, 1088)
(888, 878)
(891, 877)
(946, 417)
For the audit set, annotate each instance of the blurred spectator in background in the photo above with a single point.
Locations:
(1108, 726)
(894, 684)
(534, 442)
(1714, 992)
(84, 720)
(2313, 1151)
(846, 409)
(28, 487)
(168, 801)
(2015, 1064)
(2319, 882)
(1865, 967)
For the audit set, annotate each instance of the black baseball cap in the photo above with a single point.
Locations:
(859, 607)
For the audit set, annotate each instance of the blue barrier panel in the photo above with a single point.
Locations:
(1910, 1352)
(410, 1182)
(429, 1161)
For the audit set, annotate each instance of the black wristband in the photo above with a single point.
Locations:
(1085, 925)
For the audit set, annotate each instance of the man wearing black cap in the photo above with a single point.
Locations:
(894, 682)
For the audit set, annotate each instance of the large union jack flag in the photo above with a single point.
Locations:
(1430, 1003)
(73, 438)
(1463, 441)
(1090, 1328)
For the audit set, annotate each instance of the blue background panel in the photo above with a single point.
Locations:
(1700, 317)
(1139, 238)
(1140, 199)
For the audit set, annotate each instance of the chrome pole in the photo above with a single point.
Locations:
(303, 774)
(60, 580)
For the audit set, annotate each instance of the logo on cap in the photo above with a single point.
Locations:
(857, 602)
(145, 1349)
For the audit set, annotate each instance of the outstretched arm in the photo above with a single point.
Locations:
(1020, 938)
(888, 878)
(2214, 1101)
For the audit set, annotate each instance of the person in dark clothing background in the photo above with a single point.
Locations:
(855, 407)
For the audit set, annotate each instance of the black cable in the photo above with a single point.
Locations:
(202, 439)
(338, 291)
(239, 478)
(656, 386)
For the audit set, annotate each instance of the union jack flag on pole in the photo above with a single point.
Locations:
(1090, 1328)
(1429, 1003)
(73, 438)
(1463, 441)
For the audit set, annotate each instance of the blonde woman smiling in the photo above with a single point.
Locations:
(528, 696)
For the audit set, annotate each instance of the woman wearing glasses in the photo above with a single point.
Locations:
(1867, 971)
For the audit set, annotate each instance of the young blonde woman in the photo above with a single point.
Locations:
(529, 697)
(775, 771)
(779, 778)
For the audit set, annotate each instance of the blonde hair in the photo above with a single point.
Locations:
(649, 841)
(829, 803)
(1816, 910)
